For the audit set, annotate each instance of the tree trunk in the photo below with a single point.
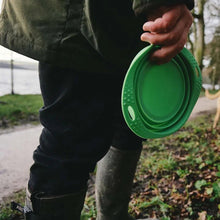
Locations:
(200, 27)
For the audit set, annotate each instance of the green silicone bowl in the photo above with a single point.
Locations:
(158, 99)
(178, 115)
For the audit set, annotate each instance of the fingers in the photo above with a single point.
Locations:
(167, 37)
(165, 23)
(167, 52)
(170, 31)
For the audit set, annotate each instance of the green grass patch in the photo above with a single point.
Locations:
(19, 109)
(5, 208)
(180, 174)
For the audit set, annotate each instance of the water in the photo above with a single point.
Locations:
(25, 80)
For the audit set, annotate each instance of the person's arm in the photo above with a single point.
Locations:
(142, 7)
(167, 26)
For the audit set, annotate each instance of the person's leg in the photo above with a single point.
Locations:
(72, 141)
(114, 181)
(116, 170)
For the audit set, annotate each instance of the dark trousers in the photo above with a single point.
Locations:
(82, 118)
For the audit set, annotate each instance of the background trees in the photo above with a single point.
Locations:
(204, 39)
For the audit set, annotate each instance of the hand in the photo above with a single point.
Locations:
(168, 27)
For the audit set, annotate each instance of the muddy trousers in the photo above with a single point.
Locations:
(82, 118)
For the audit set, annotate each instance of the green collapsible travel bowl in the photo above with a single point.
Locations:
(182, 107)
(158, 99)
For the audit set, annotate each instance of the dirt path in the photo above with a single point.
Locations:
(16, 149)
(202, 106)
(17, 146)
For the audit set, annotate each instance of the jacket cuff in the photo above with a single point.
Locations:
(142, 7)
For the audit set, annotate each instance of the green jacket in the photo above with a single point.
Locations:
(99, 36)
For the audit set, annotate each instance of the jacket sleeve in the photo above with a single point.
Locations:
(142, 7)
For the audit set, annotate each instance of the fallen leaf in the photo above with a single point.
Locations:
(202, 215)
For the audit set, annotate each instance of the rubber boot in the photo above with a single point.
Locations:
(114, 180)
(65, 207)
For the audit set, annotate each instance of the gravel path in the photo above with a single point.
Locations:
(17, 146)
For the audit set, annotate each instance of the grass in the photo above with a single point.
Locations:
(19, 109)
(182, 173)
(5, 208)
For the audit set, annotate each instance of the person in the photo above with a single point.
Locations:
(84, 49)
